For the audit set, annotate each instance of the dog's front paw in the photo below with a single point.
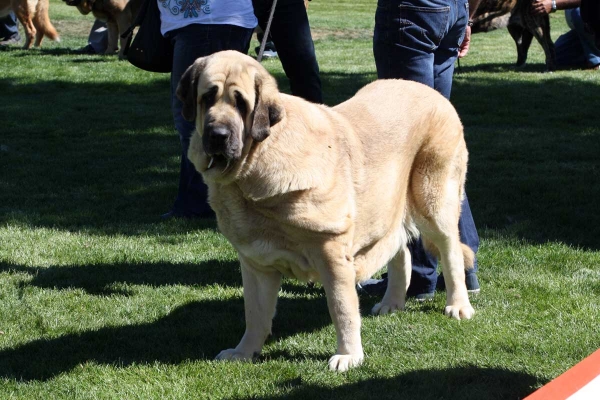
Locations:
(343, 362)
(464, 311)
(233, 354)
(387, 308)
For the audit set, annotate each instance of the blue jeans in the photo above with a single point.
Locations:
(190, 43)
(576, 48)
(291, 35)
(9, 27)
(418, 40)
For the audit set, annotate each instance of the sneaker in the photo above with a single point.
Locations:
(269, 51)
(472, 284)
(12, 40)
(471, 281)
(377, 287)
(269, 54)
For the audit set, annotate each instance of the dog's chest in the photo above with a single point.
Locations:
(262, 241)
(268, 254)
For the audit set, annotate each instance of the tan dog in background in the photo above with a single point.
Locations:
(327, 194)
(33, 15)
(118, 15)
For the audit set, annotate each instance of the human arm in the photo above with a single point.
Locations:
(541, 7)
(464, 47)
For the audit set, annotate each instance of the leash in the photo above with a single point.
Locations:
(266, 35)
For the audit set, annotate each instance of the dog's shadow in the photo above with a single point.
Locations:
(462, 382)
(194, 331)
(197, 330)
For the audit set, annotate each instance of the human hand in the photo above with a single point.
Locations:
(464, 46)
(541, 7)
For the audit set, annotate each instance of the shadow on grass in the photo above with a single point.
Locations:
(462, 383)
(465, 67)
(194, 331)
(101, 279)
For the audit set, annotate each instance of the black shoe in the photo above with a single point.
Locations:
(89, 49)
(170, 215)
(178, 214)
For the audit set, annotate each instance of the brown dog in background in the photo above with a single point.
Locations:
(33, 14)
(515, 15)
(118, 15)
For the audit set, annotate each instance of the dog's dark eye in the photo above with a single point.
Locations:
(240, 104)
(209, 97)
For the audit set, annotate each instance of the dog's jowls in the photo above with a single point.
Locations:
(327, 194)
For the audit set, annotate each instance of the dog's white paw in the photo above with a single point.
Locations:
(233, 354)
(460, 311)
(343, 362)
(387, 308)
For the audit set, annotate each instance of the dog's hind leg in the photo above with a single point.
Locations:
(437, 188)
(399, 271)
(260, 299)
(522, 38)
(25, 16)
(540, 28)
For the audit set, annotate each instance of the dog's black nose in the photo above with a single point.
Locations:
(215, 138)
(217, 133)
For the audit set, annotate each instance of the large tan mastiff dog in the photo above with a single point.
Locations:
(327, 194)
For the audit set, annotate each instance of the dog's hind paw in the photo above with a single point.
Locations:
(459, 312)
(387, 308)
(233, 354)
(343, 362)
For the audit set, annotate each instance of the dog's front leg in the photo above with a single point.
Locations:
(260, 299)
(339, 280)
(124, 20)
(113, 37)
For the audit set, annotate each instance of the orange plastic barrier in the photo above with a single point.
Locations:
(582, 382)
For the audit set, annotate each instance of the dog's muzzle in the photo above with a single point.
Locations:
(216, 138)
(221, 144)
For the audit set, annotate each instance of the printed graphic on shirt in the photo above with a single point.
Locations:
(189, 8)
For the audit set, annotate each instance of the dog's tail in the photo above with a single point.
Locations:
(468, 254)
(42, 23)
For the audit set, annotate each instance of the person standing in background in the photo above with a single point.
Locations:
(420, 40)
(290, 31)
(198, 28)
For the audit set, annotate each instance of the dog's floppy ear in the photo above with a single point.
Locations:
(267, 107)
(187, 89)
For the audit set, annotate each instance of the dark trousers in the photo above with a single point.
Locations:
(190, 43)
(418, 40)
(9, 27)
(291, 35)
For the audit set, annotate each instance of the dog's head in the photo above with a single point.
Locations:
(84, 6)
(234, 102)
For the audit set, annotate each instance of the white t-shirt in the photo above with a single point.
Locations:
(175, 14)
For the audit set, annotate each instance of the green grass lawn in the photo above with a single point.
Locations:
(99, 299)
